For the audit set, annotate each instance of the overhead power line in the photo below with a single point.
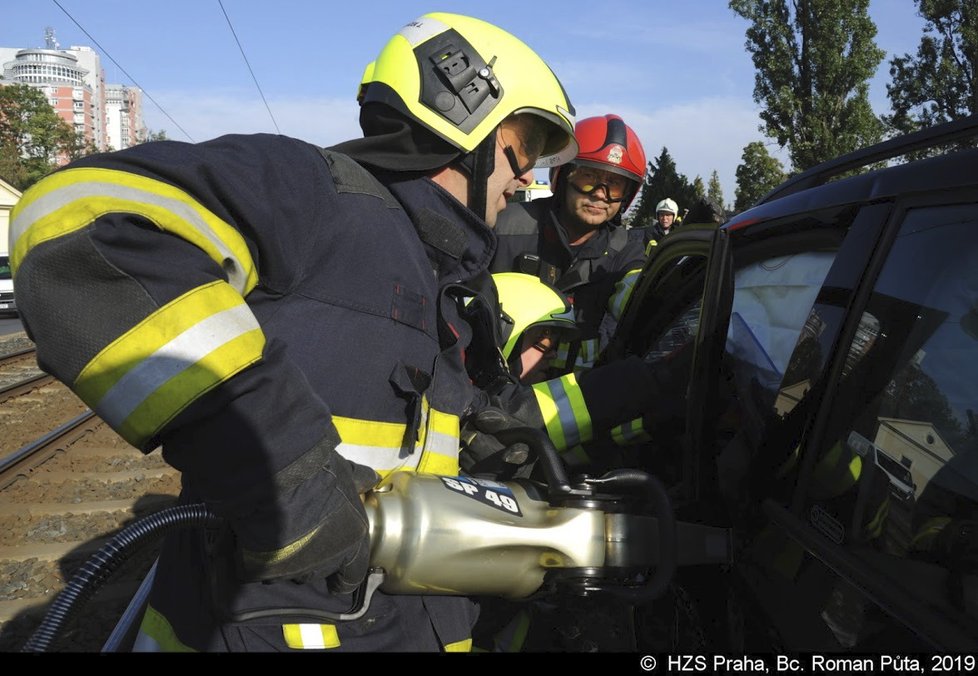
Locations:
(260, 92)
(131, 78)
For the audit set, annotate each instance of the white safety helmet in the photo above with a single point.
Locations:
(668, 206)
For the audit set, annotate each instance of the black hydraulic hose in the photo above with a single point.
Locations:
(100, 566)
(668, 538)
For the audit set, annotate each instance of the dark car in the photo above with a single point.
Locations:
(823, 346)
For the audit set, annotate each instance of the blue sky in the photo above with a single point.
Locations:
(677, 72)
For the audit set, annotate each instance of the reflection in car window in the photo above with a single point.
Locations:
(899, 471)
(772, 300)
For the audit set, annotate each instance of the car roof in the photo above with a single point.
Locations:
(815, 189)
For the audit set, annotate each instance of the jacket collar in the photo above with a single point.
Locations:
(459, 244)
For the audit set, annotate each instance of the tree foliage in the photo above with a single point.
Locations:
(757, 174)
(662, 180)
(813, 59)
(155, 136)
(33, 139)
(714, 191)
(938, 84)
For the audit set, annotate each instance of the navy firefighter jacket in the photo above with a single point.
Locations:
(233, 299)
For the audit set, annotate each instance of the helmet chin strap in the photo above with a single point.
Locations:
(479, 165)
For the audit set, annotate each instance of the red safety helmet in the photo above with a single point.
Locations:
(607, 143)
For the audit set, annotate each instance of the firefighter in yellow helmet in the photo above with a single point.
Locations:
(536, 319)
(286, 321)
(574, 240)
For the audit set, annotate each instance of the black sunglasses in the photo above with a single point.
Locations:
(514, 163)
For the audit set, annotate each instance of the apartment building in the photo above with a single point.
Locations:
(73, 80)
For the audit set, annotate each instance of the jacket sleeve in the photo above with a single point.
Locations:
(576, 407)
(133, 271)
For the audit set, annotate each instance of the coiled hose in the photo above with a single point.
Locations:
(100, 566)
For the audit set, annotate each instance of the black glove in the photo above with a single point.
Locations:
(310, 524)
(629, 388)
(483, 454)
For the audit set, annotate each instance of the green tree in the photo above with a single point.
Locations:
(662, 180)
(714, 191)
(155, 136)
(757, 174)
(33, 139)
(938, 84)
(699, 188)
(813, 60)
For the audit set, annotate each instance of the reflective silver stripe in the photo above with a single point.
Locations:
(145, 643)
(630, 432)
(387, 458)
(442, 444)
(379, 458)
(61, 197)
(171, 359)
(565, 412)
(418, 31)
(587, 354)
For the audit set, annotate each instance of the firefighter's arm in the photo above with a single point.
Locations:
(573, 408)
(133, 290)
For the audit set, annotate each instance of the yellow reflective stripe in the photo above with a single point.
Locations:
(159, 630)
(310, 636)
(459, 646)
(564, 412)
(587, 354)
(648, 248)
(264, 559)
(922, 540)
(379, 444)
(875, 527)
(788, 464)
(575, 456)
(374, 444)
(630, 433)
(833, 472)
(623, 291)
(550, 414)
(519, 636)
(433, 463)
(72, 199)
(144, 378)
(441, 444)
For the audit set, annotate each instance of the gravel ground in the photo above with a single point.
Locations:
(14, 342)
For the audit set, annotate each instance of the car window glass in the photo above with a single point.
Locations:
(898, 473)
(4, 267)
(772, 300)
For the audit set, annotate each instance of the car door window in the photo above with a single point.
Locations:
(896, 479)
(772, 300)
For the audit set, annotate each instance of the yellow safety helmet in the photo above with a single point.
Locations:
(460, 77)
(527, 301)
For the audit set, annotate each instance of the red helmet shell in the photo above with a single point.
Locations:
(606, 142)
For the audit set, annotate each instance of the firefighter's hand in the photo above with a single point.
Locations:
(483, 454)
(314, 526)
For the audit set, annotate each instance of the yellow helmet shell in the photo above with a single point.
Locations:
(530, 302)
(460, 77)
